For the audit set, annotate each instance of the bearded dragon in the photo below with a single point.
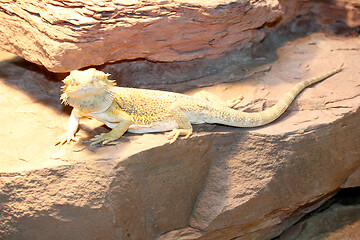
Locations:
(92, 94)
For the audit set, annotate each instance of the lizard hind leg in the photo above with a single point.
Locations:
(185, 127)
(231, 103)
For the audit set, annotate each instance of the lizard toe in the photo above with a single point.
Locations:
(66, 138)
(174, 134)
(102, 138)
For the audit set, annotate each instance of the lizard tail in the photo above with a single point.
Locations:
(244, 119)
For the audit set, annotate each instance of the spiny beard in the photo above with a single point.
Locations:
(90, 103)
(64, 99)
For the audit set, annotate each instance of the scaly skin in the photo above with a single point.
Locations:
(141, 110)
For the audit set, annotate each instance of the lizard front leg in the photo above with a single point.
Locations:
(72, 128)
(116, 132)
(182, 120)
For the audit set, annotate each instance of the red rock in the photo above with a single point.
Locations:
(221, 183)
(68, 35)
(64, 36)
(337, 222)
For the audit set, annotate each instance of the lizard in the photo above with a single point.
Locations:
(92, 94)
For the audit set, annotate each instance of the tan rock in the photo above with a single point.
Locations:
(221, 183)
(353, 180)
(68, 35)
(336, 223)
(64, 36)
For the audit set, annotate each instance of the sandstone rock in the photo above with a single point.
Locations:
(337, 222)
(68, 35)
(353, 180)
(221, 183)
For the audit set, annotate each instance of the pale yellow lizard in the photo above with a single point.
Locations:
(141, 110)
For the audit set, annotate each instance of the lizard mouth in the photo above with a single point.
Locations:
(83, 92)
(86, 95)
(69, 95)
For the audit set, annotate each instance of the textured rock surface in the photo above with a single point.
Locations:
(221, 183)
(336, 223)
(67, 35)
(353, 180)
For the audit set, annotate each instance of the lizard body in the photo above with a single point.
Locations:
(141, 110)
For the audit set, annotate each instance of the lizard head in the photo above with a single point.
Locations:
(85, 84)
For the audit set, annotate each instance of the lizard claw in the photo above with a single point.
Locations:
(175, 133)
(66, 138)
(102, 138)
(232, 103)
